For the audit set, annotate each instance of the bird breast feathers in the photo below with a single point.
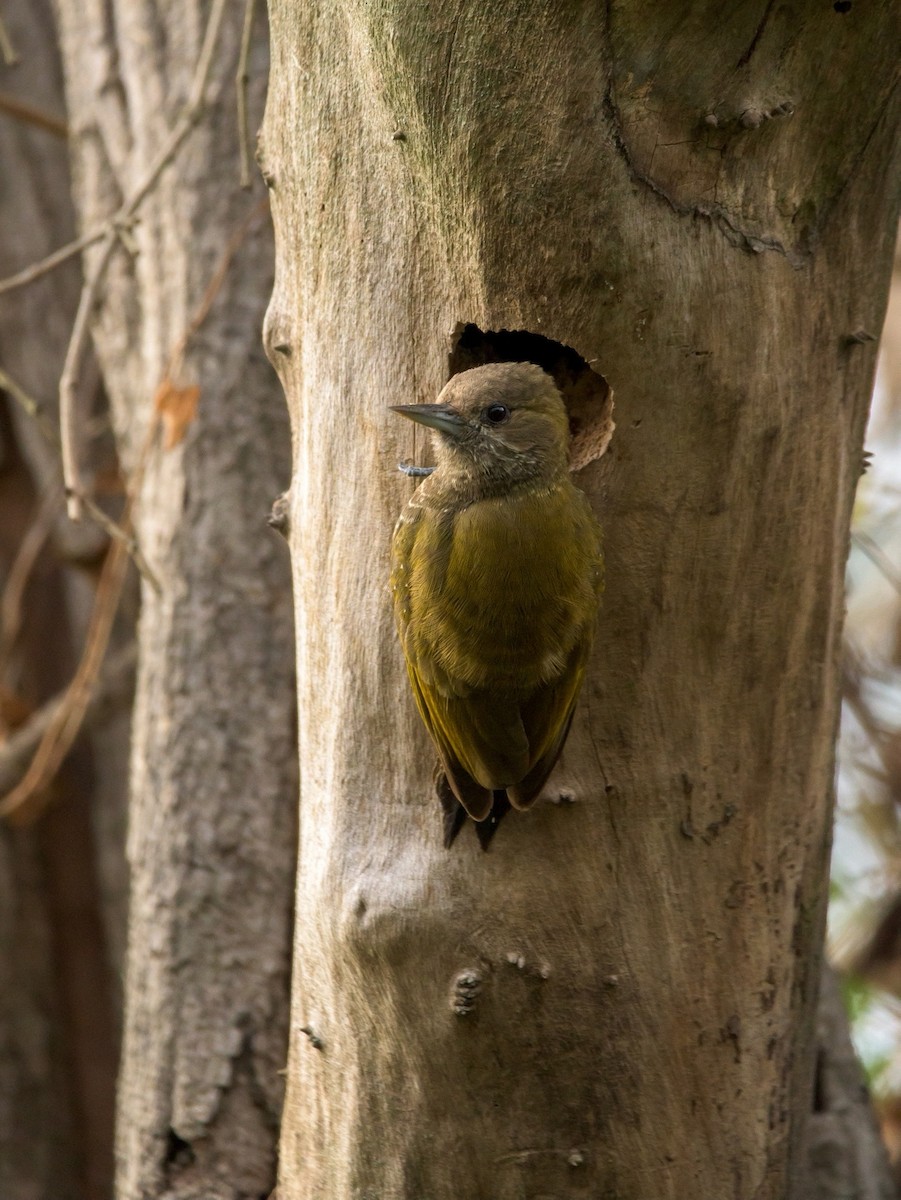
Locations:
(497, 593)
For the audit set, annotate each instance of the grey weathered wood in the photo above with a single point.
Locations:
(212, 823)
(703, 205)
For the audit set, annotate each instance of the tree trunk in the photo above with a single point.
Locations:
(846, 1156)
(62, 903)
(212, 812)
(618, 999)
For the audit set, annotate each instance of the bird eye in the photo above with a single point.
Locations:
(496, 414)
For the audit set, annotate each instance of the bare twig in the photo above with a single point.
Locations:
(122, 219)
(852, 694)
(117, 533)
(58, 728)
(29, 405)
(7, 49)
(25, 800)
(20, 572)
(68, 384)
(51, 262)
(54, 498)
(112, 689)
(878, 558)
(19, 110)
(202, 311)
(241, 80)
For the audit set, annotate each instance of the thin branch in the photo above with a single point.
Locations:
(241, 80)
(29, 114)
(51, 262)
(31, 406)
(27, 798)
(852, 694)
(7, 49)
(205, 58)
(112, 689)
(202, 311)
(68, 384)
(117, 533)
(35, 411)
(878, 558)
(122, 219)
(20, 572)
(57, 730)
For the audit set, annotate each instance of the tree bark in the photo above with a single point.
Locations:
(212, 812)
(703, 208)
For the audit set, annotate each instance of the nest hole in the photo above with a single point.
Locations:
(178, 1152)
(586, 393)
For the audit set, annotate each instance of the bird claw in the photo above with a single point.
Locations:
(416, 472)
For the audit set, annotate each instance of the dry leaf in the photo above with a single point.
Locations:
(14, 711)
(178, 407)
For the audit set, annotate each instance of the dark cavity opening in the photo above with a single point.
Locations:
(586, 393)
(178, 1151)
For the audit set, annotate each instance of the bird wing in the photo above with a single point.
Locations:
(487, 738)
(546, 717)
(486, 744)
(442, 717)
(475, 798)
(457, 727)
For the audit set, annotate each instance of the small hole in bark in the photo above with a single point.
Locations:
(842, 6)
(178, 1151)
(588, 396)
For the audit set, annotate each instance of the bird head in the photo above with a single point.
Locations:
(505, 420)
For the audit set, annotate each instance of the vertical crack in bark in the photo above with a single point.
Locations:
(758, 33)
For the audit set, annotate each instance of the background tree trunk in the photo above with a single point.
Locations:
(212, 817)
(696, 206)
(62, 881)
(846, 1156)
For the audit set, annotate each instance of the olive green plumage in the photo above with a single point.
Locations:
(497, 576)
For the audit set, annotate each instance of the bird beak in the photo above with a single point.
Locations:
(442, 417)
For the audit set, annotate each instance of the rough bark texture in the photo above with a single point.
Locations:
(703, 205)
(212, 816)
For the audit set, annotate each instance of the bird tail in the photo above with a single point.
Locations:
(455, 814)
(485, 830)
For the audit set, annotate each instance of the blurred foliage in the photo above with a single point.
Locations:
(865, 889)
